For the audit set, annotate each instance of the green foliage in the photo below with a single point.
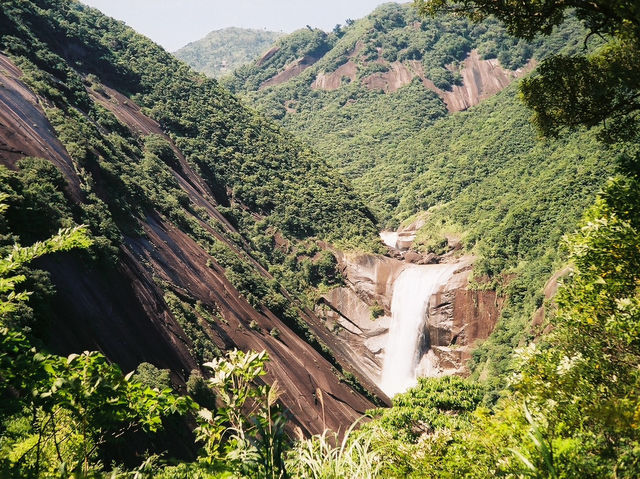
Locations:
(376, 311)
(369, 121)
(480, 174)
(199, 390)
(57, 412)
(38, 203)
(322, 270)
(579, 89)
(325, 456)
(579, 384)
(249, 164)
(586, 380)
(474, 449)
(233, 148)
(36, 208)
(433, 404)
(275, 332)
(544, 452)
(249, 423)
(600, 87)
(223, 51)
(532, 17)
(67, 409)
(190, 320)
(150, 376)
(443, 78)
(189, 470)
(66, 239)
(508, 197)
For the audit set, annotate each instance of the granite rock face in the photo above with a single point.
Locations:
(481, 78)
(359, 313)
(123, 311)
(457, 318)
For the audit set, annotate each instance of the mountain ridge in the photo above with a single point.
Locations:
(222, 51)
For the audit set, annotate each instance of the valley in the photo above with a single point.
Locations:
(400, 248)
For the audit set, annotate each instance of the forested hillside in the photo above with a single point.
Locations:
(204, 219)
(381, 102)
(222, 51)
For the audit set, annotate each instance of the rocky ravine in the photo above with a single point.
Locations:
(457, 316)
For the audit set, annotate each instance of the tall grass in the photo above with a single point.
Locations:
(326, 457)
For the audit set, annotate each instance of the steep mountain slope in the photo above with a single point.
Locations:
(222, 51)
(356, 93)
(205, 231)
(420, 116)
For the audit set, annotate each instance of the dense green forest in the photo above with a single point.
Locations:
(222, 51)
(526, 197)
(480, 175)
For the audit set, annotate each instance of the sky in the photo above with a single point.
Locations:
(174, 23)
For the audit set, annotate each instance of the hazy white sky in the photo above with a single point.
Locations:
(174, 23)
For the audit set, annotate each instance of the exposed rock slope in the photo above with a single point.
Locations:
(384, 52)
(24, 128)
(480, 79)
(168, 298)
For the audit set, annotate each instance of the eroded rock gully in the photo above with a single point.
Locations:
(457, 316)
(481, 79)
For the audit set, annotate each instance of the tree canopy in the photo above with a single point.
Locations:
(587, 89)
(528, 18)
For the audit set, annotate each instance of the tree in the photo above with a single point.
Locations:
(602, 87)
(65, 240)
(527, 18)
(586, 378)
(57, 412)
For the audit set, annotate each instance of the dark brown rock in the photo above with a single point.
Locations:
(122, 311)
(413, 257)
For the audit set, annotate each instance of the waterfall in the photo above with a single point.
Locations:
(390, 238)
(411, 293)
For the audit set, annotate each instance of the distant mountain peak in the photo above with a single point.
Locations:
(223, 50)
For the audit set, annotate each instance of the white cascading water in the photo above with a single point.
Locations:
(390, 238)
(411, 293)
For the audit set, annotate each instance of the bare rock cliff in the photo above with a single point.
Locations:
(457, 316)
(481, 79)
